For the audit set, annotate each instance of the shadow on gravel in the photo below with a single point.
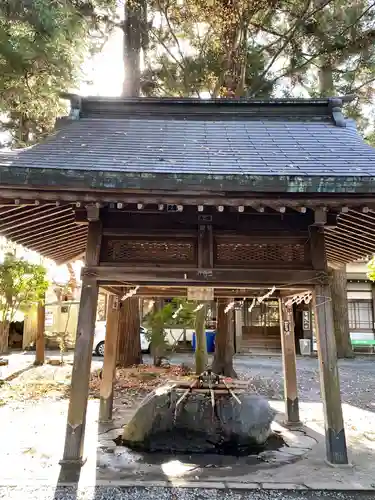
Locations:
(67, 484)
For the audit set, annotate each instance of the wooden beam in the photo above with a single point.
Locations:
(354, 234)
(361, 217)
(196, 197)
(47, 227)
(289, 363)
(333, 257)
(348, 242)
(21, 210)
(149, 233)
(49, 232)
(109, 363)
(63, 252)
(40, 215)
(329, 377)
(349, 253)
(317, 249)
(71, 258)
(112, 290)
(65, 257)
(64, 217)
(67, 242)
(355, 226)
(205, 247)
(185, 277)
(75, 431)
(40, 339)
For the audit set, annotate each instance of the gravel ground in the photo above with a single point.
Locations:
(357, 379)
(357, 385)
(139, 493)
(357, 376)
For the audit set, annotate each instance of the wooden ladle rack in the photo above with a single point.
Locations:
(209, 383)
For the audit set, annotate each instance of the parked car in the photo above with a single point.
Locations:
(99, 339)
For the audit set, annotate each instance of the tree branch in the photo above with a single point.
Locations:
(165, 12)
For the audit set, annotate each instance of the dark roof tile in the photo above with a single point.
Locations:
(141, 142)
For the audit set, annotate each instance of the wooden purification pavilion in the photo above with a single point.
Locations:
(238, 197)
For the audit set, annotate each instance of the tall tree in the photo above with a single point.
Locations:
(129, 343)
(129, 346)
(134, 28)
(331, 51)
(259, 49)
(42, 47)
(224, 341)
(198, 47)
(340, 312)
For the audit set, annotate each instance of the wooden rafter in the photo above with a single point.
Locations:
(47, 223)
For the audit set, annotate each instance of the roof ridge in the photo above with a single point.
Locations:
(76, 100)
(329, 108)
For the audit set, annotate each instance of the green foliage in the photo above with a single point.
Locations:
(197, 47)
(190, 48)
(260, 49)
(371, 269)
(155, 323)
(43, 44)
(21, 285)
(178, 313)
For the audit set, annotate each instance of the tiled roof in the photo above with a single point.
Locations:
(298, 138)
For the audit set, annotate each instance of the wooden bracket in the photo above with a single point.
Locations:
(320, 217)
(93, 212)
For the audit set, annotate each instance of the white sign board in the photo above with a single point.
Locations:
(200, 293)
(48, 318)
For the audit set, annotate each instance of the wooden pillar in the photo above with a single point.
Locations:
(75, 431)
(109, 363)
(40, 339)
(201, 341)
(329, 377)
(373, 306)
(336, 449)
(289, 363)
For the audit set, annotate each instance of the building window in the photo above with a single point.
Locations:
(265, 314)
(360, 315)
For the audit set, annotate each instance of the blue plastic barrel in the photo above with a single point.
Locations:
(210, 341)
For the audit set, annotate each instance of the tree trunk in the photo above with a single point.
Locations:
(134, 19)
(224, 348)
(326, 83)
(4, 337)
(340, 313)
(40, 338)
(157, 344)
(201, 343)
(129, 342)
